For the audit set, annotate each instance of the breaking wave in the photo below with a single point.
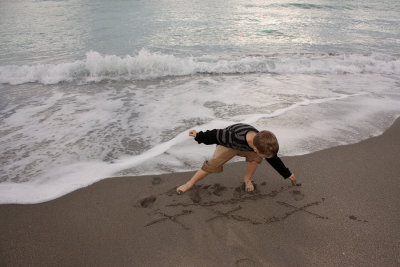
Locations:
(151, 65)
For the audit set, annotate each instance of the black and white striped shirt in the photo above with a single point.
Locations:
(234, 136)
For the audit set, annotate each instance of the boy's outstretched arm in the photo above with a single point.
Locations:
(207, 137)
(280, 167)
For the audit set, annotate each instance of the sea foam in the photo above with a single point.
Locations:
(149, 65)
(62, 179)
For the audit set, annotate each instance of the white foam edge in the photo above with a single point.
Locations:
(82, 174)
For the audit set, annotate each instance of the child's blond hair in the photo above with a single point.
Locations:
(266, 143)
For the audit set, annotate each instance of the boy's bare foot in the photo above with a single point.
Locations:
(249, 186)
(183, 188)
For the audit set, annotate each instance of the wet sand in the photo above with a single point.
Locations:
(346, 212)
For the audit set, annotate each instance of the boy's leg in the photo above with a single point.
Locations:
(253, 160)
(200, 174)
(251, 169)
(221, 156)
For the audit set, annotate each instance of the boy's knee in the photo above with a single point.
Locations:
(252, 157)
(257, 160)
(210, 166)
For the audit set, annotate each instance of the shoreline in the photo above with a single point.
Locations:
(35, 192)
(345, 213)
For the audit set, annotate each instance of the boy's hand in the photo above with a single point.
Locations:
(193, 133)
(293, 179)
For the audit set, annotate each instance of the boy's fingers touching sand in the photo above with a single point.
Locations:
(293, 179)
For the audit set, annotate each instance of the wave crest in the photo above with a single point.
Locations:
(149, 65)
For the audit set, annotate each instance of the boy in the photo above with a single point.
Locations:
(238, 140)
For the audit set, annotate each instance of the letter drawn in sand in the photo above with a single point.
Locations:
(215, 199)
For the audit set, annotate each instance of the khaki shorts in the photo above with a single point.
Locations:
(224, 154)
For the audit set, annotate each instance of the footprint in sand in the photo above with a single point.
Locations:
(147, 202)
(195, 194)
(198, 191)
(218, 189)
(156, 180)
(297, 195)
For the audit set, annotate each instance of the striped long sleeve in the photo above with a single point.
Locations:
(233, 136)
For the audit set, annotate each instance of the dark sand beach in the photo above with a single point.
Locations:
(346, 212)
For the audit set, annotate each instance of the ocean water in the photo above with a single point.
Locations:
(95, 89)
